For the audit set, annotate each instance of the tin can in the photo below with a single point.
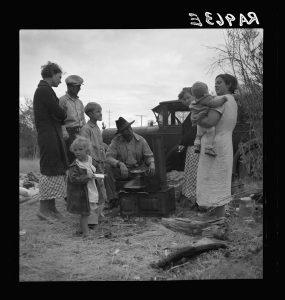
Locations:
(246, 207)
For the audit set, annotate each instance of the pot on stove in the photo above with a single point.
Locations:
(137, 184)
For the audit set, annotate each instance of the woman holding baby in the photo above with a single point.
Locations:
(215, 118)
(214, 174)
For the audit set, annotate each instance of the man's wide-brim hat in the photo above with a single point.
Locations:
(74, 80)
(122, 124)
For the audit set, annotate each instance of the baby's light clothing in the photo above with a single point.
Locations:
(93, 194)
(199, 108)
(210, 136)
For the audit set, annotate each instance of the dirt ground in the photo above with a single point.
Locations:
(122, 249)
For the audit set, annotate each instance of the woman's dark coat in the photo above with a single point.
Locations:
(49, 117)
(188, 132)
(176, 160)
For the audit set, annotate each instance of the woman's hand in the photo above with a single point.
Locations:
(180, 148)
(65, 135)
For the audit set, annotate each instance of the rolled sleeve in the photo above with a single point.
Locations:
(62, 104)
(83, 116)
(111, 154)
(147, 153)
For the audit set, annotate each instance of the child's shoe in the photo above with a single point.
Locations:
(197, 148)
(210, 151)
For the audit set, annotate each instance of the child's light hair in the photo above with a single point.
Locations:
(82, 141)
(90, 107)
(199, 89)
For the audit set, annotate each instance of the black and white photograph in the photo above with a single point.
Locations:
(141, 153)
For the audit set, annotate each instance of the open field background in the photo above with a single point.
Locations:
(29, 165)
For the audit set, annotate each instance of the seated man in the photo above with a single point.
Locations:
(128, 151)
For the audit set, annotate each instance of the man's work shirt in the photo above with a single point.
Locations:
(93, 133)
(133, 153)
(74, 109)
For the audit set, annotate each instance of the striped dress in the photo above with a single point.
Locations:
(190, 174)
(52, 187)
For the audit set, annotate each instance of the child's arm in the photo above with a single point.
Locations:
(84, 131)
(105, 146)
(76, 177)
(217, 101)
(99, 167)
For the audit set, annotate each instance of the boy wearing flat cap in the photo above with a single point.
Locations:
(74, 109)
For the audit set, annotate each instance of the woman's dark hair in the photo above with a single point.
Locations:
(50, 69)
(184, 91)
(229, 80)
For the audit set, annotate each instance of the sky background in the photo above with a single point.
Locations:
(127, 71)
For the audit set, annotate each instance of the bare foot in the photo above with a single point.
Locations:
(58, 215)
(47, 216)
(81, 233)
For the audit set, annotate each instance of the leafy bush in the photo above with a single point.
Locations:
(28, 136)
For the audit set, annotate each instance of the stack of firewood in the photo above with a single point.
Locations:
(209, 230)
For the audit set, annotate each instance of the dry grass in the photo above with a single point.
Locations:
(29, 165)
(51, 252)
(246, 187)
(123, 250)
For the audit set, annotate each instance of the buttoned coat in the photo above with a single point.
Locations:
(49, 117)
(77, 192)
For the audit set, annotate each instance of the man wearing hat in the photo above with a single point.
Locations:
(74, 109)
(128, 150)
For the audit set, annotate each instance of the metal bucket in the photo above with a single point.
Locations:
(246, 207)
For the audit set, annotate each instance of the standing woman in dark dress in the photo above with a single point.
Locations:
(192, 158)
(49, 117)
